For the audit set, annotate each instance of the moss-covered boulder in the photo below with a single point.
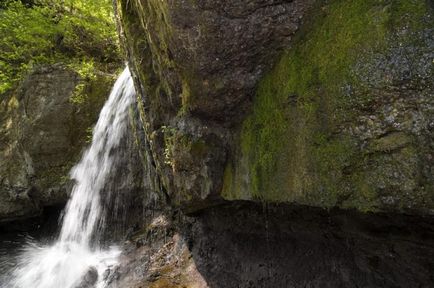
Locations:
(323, 103)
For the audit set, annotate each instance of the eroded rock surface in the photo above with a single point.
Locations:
(346, 116)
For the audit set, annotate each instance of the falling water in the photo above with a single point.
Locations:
(75, 254)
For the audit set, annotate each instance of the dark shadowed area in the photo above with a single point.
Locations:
(246, 244)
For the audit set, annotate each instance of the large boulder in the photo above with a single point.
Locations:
(89, 279)
(323, 103)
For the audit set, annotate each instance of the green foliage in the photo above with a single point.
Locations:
(75, 32)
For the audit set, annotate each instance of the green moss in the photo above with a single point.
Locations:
(171, 83)
(290, 151)
(228, 190)
(73, 33)
(198, 148)
(169, 134)
(186, 97)
(391, 142)
(148, 34)
(366, 199)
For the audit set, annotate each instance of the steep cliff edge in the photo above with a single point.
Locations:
(321, 103)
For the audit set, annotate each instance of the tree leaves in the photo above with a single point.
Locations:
(49, 31)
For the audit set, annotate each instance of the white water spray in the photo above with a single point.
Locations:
(67, 261)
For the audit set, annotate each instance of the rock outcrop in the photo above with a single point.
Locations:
(325, 103)
(197, 65)
(320, 103)
(45, 124)
(345, 117)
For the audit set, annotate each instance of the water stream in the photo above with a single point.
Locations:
(76, 252)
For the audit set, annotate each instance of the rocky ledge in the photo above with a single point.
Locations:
(245, 244)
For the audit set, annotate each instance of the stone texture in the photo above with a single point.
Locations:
(350, 125)
(244, 244)
(196, 66)
(89, 279)
(342, 119)
(43, 131)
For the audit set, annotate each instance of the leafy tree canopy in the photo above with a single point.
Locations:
(78, 33)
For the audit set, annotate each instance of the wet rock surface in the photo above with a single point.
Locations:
(245, 244)
(127, 198)
(43, 130)
(89, 279)
(348, 126)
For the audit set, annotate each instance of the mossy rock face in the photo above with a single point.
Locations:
(187, 54)
(44, 130)
(345, 118)
(196, 64)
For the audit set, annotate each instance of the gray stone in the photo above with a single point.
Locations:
(42, 133)
(89, 279)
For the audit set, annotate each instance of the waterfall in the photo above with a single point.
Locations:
(76, 255)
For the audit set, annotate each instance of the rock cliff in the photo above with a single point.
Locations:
(46, 122)
(318, 113)
(320, 103)
(277, 143)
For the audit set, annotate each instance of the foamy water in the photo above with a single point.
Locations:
(61, 265)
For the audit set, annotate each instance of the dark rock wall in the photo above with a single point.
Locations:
(247, 245)
(244, 244)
